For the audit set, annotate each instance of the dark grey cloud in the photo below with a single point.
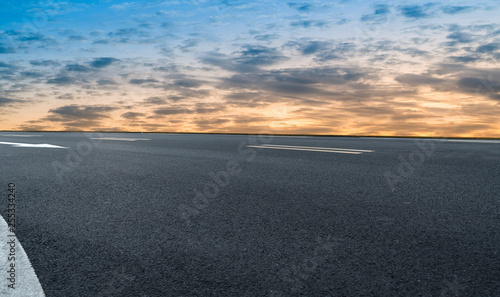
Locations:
(489, 48)
(106, 82)
(154, 101)
(419, 80)
(77, 68)
(324, 50)
(188, 83)
(73, 112)
(211, 124)
(44, 63)
(260, 56)
(173, 111)
(310, 86)
(313, 47)
(61, 80)
(465, 59)
(67, 96)
(207, 108)
(7, 101)
(249, 59)
(460, 37)
(31, 74)
(139, 81)
(132, 115)
(102, 62)
(480, 86)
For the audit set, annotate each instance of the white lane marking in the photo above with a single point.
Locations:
(474, 141)
(435, 139)
(17, 135)
(40, 145)
(304, 149)
(120, 139)
(26, 281)
(291, 136)
(327, 148)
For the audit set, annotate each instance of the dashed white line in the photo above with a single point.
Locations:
(38, 145)
(17, 135)
(471, 140)
(305, 149)
(316, 147)
(119, 139)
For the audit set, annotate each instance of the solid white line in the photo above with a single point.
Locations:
(17, 135)
(40, 145)
(316, 147)
(119, 139)
(26, 281)
(304, 149)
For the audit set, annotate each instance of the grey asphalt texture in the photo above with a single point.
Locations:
(124, 220)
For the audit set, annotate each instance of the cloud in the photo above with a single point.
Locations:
(132, 115)
(76, 112)
(313, 47)
(460, 37)
(77, 38)
(5, 65)
(302, 7)
(125, 32)
(44, 63)
(249, 59)
(77, 68)
(188, 83)
(173, 111)
(419, 80)
(324, 50)
(67, 96)
(308, 23)
(480, 86)
(61, 80)
(379, 15)
(7, 101)
(31, 74)
(154, 101)
(138, 81)
(457, 9)
(103, 62)
(260, 56)
(488, 48)
(416, 11)
(106, 82)
(465, 59)
(6, 50)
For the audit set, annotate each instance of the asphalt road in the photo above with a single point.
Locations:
(222, 215)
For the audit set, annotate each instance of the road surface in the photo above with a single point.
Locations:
(131, 214)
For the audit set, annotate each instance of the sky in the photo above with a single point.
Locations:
(340, 67)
